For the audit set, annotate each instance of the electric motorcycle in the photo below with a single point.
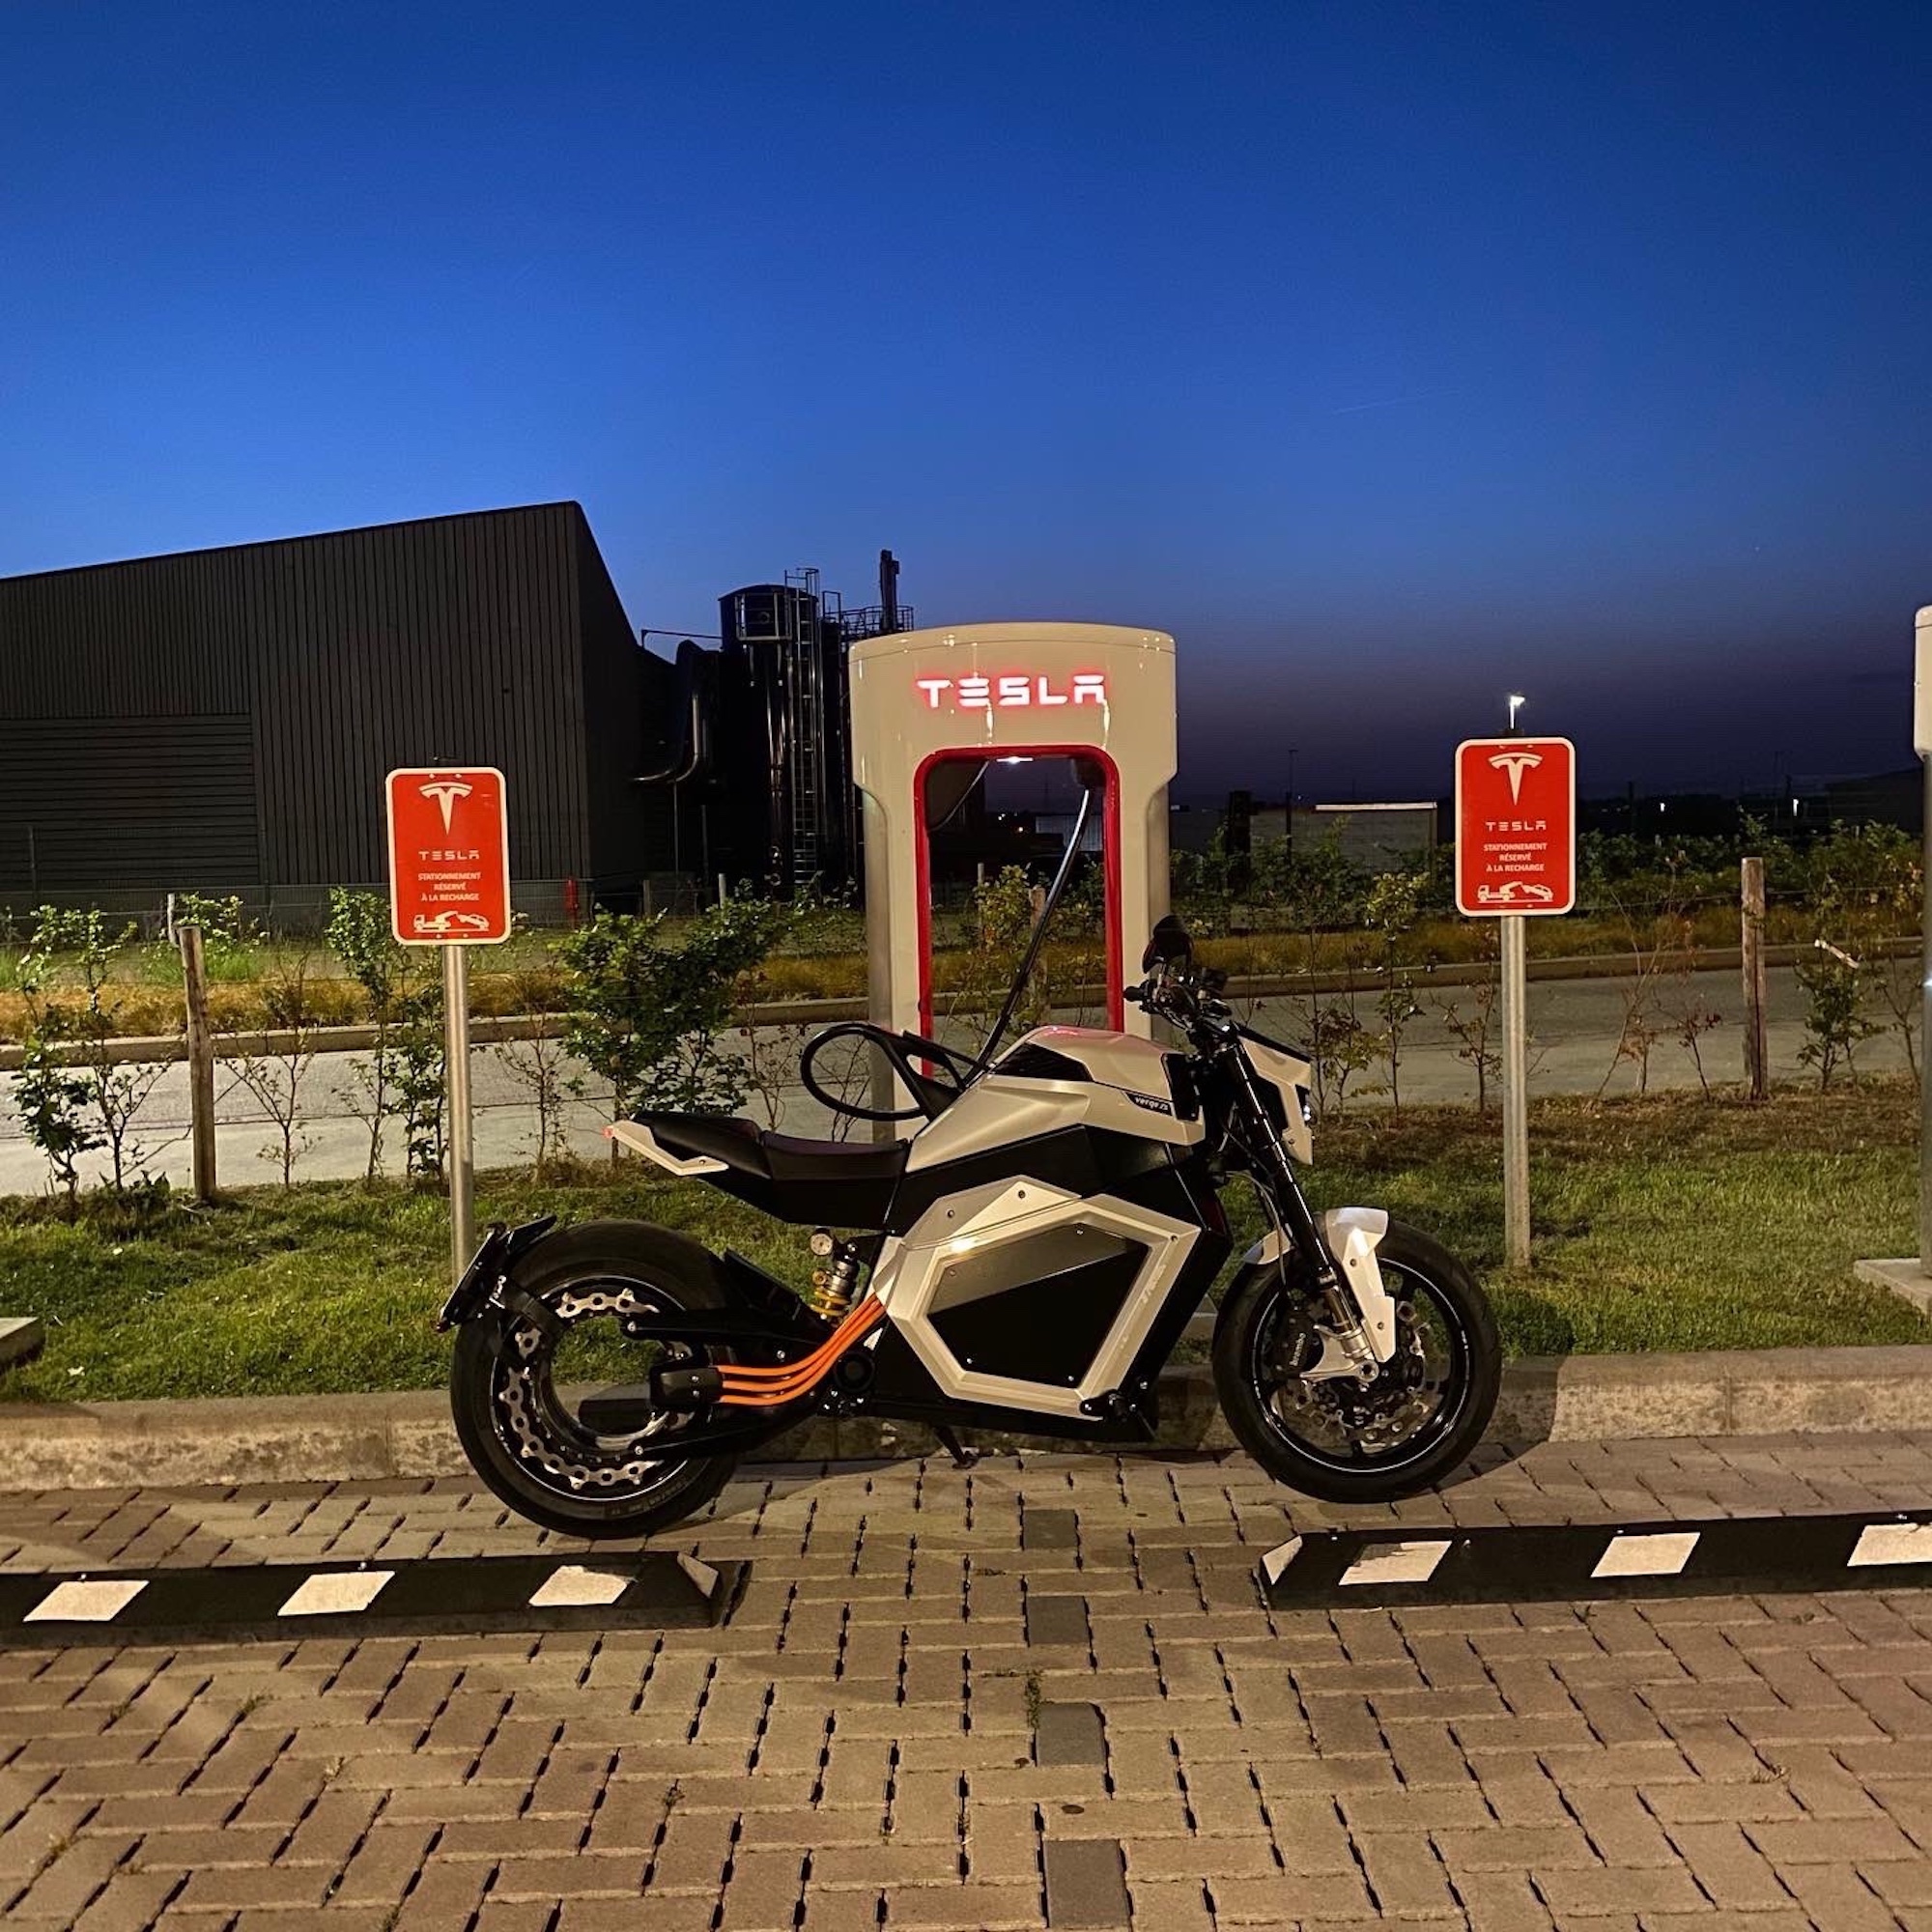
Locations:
(1025, 1258)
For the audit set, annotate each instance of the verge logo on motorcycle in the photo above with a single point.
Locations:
(1026, 1258)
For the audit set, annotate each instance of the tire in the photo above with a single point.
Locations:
(518, 1435)
(1262, 1317)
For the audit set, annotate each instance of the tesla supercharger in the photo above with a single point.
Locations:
(929, 708)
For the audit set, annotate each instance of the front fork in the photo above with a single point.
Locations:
(1349, 1281)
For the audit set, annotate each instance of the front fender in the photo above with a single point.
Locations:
(1353, 1235)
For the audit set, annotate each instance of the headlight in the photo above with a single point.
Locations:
(1307, 1105)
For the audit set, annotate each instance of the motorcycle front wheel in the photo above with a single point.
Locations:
(513, 1385)
(1338, 1439)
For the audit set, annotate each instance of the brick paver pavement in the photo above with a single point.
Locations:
(1046, 1692)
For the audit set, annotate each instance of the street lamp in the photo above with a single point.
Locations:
(1516, 702)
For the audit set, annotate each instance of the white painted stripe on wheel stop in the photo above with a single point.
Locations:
(336, 1593)
(1396, 1563)
(1891, 1543)
(1280, 1558)
(1661, 1554)
(701, 1572)
(99, 1602)
(573, 1584)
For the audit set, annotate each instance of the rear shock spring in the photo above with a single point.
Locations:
(832, 1288)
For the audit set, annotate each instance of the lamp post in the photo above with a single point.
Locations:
(1517, 701)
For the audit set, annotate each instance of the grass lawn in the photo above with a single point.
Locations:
(1665, 1223)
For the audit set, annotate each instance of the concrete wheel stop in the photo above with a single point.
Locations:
(22, 1337)
(407, 1597)
(1905, 1278)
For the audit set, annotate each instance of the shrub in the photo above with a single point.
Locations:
(649, 1016)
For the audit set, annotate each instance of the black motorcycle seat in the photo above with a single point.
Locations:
(841, 1183)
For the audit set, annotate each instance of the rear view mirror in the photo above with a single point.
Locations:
(1168, 944)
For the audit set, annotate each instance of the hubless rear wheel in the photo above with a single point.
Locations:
(1340, 1440)
(515, 1421)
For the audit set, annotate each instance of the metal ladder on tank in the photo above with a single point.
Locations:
(807, 738)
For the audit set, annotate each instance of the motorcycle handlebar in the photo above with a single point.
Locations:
(1177, 997)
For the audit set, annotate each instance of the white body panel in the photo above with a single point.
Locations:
(1294, 1075)
(912, 1272)
(1129, 1094)
(1114, 1059)
(639, 1138)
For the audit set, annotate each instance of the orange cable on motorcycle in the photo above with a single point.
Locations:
(763, 1387)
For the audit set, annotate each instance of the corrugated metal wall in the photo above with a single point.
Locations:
(127, 802)
(492, 639)
(625, 696)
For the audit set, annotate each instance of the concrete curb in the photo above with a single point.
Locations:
(363, 1438)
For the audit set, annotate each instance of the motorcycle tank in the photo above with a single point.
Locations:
(1061, 1076)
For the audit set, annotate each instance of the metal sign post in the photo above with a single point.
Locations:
(1515, 858)
(1516, 1091)
(462, 1152)
(449, 887)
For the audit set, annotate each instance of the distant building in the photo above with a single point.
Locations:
(1885, 798)
(220, 721)
(1377, 836)
(1191, 828)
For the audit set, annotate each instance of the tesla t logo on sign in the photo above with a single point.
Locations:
(1516, 826)
(449, 857)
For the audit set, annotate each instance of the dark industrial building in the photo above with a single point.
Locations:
(220, 721)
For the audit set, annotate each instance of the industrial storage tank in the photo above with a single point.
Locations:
(784, 742)
(758, 760)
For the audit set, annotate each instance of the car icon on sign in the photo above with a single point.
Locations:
(446, 923)
(1515, 892)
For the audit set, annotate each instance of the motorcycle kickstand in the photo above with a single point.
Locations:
(962, 1457)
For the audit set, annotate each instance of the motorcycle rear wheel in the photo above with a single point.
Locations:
(518, 1430)
(1336, 1439)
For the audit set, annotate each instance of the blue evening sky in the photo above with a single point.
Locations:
(1391, 356)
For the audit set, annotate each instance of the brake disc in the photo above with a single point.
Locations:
(525, 1402)
(1378, 1417)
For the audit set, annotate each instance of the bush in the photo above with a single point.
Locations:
(75, 1096)
(649, 1016)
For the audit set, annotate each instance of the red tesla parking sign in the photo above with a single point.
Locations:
(1516, 826)
(449, 857)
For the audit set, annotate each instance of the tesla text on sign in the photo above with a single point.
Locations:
(449, 857)
(1516, 826)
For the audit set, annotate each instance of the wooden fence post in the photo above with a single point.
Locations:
(1757, 1071)
(200, 1062)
